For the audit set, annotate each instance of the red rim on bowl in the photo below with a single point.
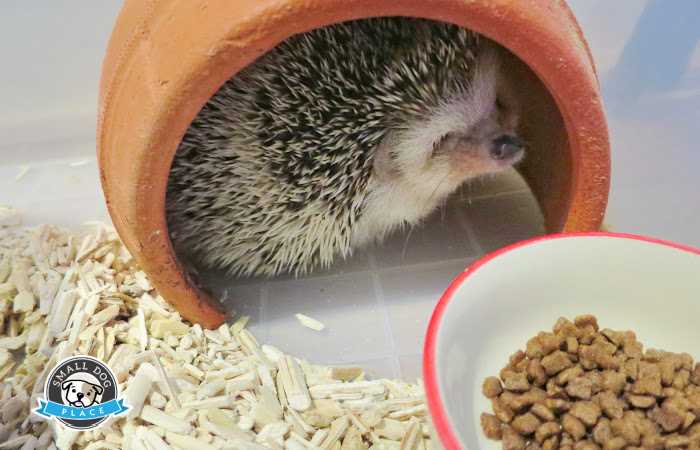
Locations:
(436, 406)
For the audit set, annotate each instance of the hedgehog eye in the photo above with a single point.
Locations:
(499, 104)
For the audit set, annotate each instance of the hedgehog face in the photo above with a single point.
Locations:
(471, 134)
(481, 125)
(488, 146)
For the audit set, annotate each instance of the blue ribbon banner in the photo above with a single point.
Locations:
(53, 409)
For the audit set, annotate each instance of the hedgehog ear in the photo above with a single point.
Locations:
(385, 167)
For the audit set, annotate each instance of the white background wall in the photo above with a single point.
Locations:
(51, 51)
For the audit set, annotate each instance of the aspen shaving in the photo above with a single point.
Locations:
(66, 293)
(310, 322)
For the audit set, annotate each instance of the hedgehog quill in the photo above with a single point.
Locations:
(336, 138)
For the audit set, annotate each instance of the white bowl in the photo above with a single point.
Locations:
(493, 308)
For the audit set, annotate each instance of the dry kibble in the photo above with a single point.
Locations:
(512, 440)
(519, 402)
(690, 419)
(536, 373)
(602, 432)
(547, 430)
(648, 379)
(534, 395)
(613, 381)
(601, 354)
(556, 362)
(653, 355)
(543, 344)
(554, 389)
(695, 376)
(670, 392)
(612, 405)
(586, 445)
(616, 337)
(557, 405)
(631, 369)
(686, 361)
(534, 349)
(572, 345)
(566, 446)
(667, 368)
(569, 374)
(573, 426)
(681, 379)
(641, 401)
(492, 387)
(588, 334)
(626, 428)
(492, 426)
(677, 441)
(633, 349)
(516, 358)
(596, 380)
(582, 388)
(526, 423)
(694, 400)
(587, 411)
(617, 443)
(502, 411)
(586, 320)
(648, 386)
(516, 382)
(513, 400)
(566, 439)
(522, 365)
(694, 431)
(566, 328)
(649, 367)
(542, 412)
(669, 420)
(551, 443)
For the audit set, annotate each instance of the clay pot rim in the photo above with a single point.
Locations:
(266, 25)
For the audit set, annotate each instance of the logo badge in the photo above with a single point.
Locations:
(81, 392)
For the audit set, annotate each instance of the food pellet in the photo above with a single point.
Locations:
(582, 388)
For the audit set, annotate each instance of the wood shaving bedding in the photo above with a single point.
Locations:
(310, 322)
(66, 293)
(21, 172)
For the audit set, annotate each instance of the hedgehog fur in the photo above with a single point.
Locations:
(277, 170)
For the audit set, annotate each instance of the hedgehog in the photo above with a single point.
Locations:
(335, 139)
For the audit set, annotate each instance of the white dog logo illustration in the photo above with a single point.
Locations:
(81, 393)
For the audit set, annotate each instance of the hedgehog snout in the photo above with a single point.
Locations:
(507, 147)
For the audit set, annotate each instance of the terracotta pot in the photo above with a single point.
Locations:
(166, 58)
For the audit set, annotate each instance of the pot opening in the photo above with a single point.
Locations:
(338, 136)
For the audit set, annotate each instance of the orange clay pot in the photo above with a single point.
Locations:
(167, 57)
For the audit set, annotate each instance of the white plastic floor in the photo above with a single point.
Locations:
(375, 306)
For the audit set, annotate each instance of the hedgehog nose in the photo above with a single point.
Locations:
(506, 146)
